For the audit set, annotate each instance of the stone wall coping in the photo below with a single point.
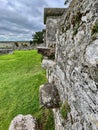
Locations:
(53, 12)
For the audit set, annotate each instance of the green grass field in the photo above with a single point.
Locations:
(21, 75)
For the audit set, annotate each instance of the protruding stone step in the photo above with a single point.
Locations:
(22, 122)
(91, 54)
(46, 64)
(49, 96)
(48, 52)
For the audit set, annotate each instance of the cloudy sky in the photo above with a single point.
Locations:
(19, 19)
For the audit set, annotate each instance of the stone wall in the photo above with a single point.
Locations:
(14, 45)
(6, 51)
(75, 69)
(51, 18)
(20, 45)
(51, 26)
(6, 45)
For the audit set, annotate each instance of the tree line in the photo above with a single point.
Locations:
(37, 38)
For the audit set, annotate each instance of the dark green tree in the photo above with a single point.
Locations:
(31, 42)
(38, 37)
(16, 44)
(66, 2)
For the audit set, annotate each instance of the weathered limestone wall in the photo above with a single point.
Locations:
(51, 19)
(75, 72)
(15, 45)
(51, 25)
(6, 45)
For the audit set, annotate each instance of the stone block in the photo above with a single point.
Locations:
(46, 64)
(48, 52)
(49, 96)
(22, 122)
(91, 54)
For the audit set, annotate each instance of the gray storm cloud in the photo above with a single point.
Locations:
(19, 19)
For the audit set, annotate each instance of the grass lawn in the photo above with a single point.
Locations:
(21, 75)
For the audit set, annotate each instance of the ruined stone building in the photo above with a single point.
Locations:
(72, 88)
(72, 91)
(51, 18)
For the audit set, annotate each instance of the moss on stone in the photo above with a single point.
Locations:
(76, 29)
(94, 37)
(75, 21)
(95, 29)
(65, 108)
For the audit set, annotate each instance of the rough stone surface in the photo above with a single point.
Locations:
(51, 18)
(92, 53)
(75, 73)
(53, 12)
(51, 29)
(47, 64)
(49, 97)
(21, 122)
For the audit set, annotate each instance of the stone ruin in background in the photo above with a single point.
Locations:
(72, 88)
(51, 18)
